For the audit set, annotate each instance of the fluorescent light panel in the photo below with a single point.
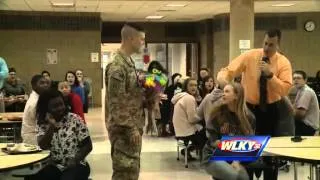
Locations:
(63, 4)
(283, 5)
(176, 5)
(154, 17)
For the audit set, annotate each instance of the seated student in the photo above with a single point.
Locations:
(71, 100)
(53, 84)
(67, 138)
(15, 92)
(184, 122)
(231, 117)
(29, 120)
(306, 107)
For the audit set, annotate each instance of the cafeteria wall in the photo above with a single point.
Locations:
(25, 37)
(24, 46)
(301, 47)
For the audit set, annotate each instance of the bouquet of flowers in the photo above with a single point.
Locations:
(154, 82)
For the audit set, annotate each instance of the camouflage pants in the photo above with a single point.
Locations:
(125, 157)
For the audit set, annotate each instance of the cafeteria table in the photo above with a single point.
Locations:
(308, 151)
(12, 162)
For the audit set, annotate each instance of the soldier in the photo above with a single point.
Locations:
(124, 104)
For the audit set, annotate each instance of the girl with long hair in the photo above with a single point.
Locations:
(207, 86)
(231, 117)
(76, 88)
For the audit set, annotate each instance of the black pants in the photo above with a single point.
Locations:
(198, 139)
(266, 122)
(51, 172)
(303, 130)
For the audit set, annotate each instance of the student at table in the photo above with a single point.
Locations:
(306, 107)
(15, 91)
(71, 100)
(28, 131)
(186, 126)
(67, 138)
(231, 117)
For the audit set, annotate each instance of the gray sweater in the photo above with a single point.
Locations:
(208, 103)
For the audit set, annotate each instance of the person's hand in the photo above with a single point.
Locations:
(221, 83)
(163, 97)
(294, 111)
(135, 138)
(52, 121)
(265, 68)
(236, 165)
(141, 76)
(225, 128)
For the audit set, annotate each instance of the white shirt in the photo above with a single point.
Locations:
(307, 99)
(28, 130)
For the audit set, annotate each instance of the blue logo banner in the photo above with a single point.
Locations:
(240, 148)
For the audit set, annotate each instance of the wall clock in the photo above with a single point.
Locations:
(310, 26)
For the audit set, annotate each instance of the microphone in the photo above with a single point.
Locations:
(266, 59)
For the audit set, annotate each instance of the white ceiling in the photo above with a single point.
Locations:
(133, 10)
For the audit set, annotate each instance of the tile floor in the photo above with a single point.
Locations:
(158, 161)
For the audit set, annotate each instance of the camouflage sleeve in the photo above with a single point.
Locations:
(117, 96)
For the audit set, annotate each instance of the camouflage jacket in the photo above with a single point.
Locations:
(124, 96)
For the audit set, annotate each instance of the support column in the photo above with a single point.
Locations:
(241, 25)
(206, 44)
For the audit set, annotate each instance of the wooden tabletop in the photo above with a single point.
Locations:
(10, 122)
(10, 162)
(11, 116)
(298, 153)
(285, 142)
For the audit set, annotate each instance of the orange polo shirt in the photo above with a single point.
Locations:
(248, 64)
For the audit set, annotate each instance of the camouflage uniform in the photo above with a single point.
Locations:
(124, 104)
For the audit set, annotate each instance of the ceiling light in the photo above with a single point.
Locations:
(63, 4)
(176, 5)
(166, 10)
(283, 5)
(154, 17)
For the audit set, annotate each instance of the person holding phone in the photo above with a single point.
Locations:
(65, 135)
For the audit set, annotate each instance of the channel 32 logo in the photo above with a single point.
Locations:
(240, 148)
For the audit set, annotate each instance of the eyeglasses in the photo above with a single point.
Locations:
(12, 74)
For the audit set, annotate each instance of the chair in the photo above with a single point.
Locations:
(10, 132)
(256, 168)
(183, 145)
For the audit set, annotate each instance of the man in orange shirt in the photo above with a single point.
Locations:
(266, 78)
